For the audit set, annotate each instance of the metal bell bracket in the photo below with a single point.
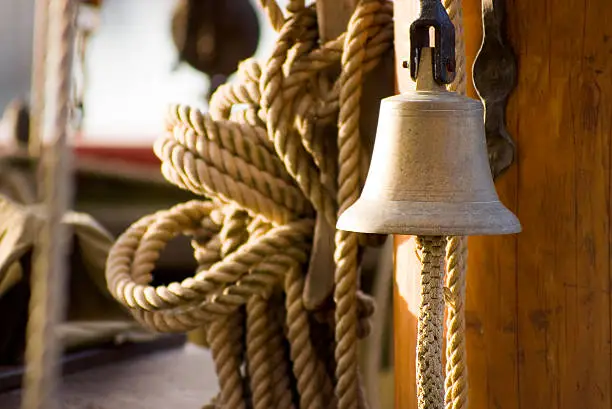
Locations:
(433, 15)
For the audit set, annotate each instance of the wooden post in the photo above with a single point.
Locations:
(333, 17)
(539, 303)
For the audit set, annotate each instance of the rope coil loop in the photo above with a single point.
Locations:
(250, 269)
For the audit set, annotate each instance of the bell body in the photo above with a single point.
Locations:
(429, 173)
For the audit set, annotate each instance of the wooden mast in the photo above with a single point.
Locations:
(538, 303)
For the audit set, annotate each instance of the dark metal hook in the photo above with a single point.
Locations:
(433, 15)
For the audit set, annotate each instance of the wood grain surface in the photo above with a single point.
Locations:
(538, 308)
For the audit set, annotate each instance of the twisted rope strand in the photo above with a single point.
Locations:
(456, 382)
(220, 336)
(456, 365)
(298, 333)
(455, 12)
(281, 376)
(345, 254)
(258, 357)
(274, 12)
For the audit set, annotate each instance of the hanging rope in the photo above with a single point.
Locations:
(455, 12)
(345, 256)
(456, 361)
(456, 383)
(430, 373)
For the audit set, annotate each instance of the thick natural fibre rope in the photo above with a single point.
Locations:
(268, 174)
(345, 256)
(455, 12)
(456, 382)
(434, 391)
(430, 372)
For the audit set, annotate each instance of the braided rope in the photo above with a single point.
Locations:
(455, 384)
(430, 376)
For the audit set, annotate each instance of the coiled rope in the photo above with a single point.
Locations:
(268, 173)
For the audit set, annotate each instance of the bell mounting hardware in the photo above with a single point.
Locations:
(433, 15)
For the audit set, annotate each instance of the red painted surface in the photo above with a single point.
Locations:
(134, 154)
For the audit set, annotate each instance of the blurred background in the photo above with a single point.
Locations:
(130, 67)
(138, 57)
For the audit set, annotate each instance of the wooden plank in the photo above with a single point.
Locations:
(538, 308)
(406, 294)
(491, 322)
(405, 12)
(541, 301)
(333, 17)
(563, 304)
(406, 297)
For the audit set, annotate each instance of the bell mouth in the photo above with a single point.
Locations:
(429, 218)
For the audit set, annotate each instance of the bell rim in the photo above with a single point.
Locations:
(415, 218)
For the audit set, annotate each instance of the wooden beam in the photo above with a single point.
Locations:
(333, 17)
(539, 303)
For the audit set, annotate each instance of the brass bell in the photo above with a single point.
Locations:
(429, 173)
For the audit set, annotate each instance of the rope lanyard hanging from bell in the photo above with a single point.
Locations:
(430, 177)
